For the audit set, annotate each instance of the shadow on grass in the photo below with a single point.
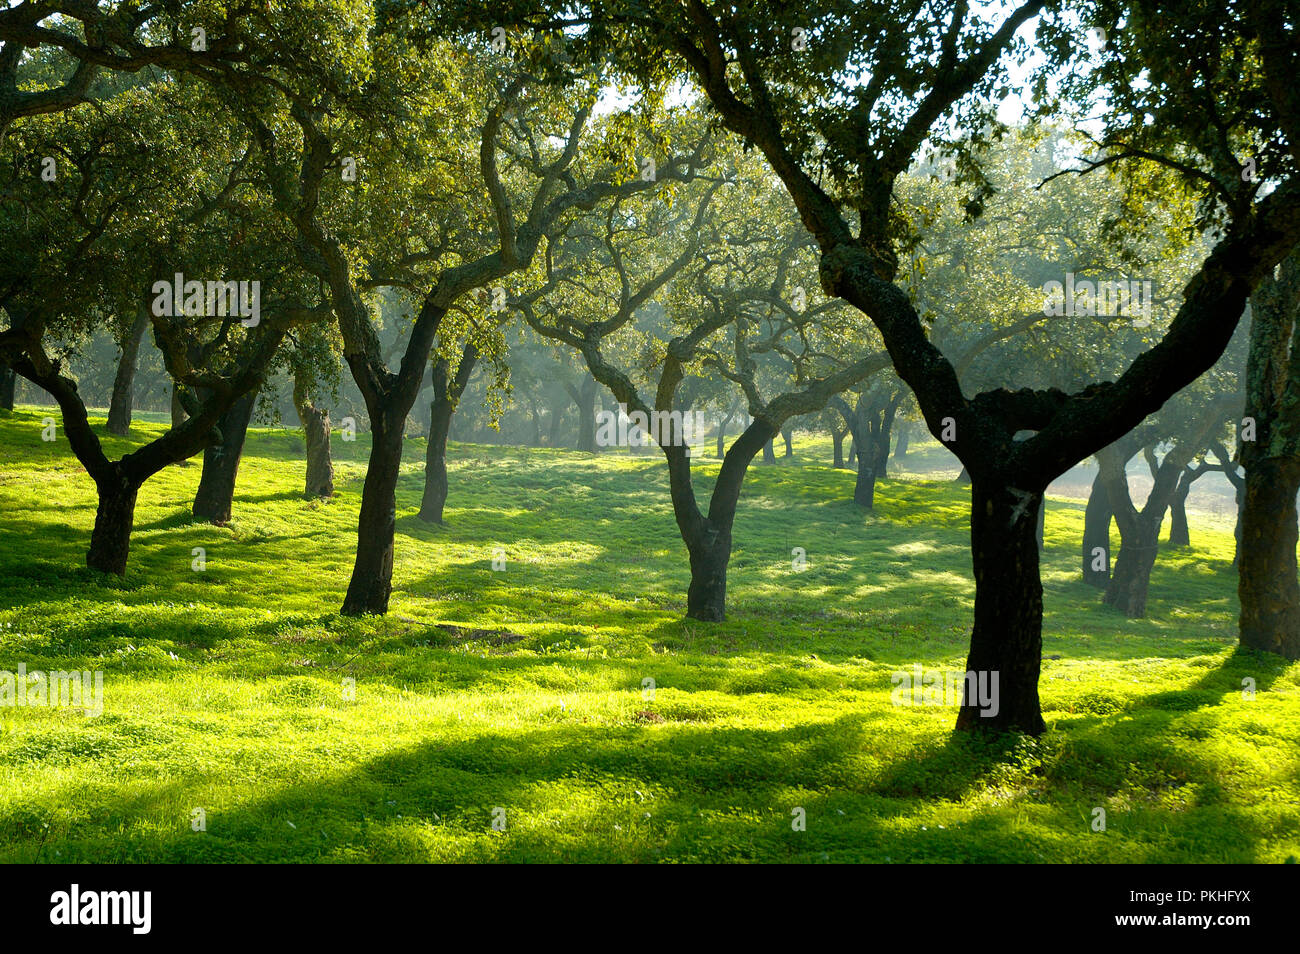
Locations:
(635, 792)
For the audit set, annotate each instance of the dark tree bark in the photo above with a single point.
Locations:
(769, 453)
(8, 383)
(316, 432)
(1007, 637)
(864, 488)
(214, 499)
(447, 392)
(1267, 583)
(372, 574)
(110, 541)
(1096, 534)
(787, 434)
(122, 402)
(1128, 585)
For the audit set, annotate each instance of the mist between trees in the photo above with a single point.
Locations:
(491, 223)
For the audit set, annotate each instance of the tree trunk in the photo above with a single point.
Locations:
(864, 489)
(587, 415)
(1267, 583)
(372, 574)
(708, 538)
(1096, 533)
(316, 432)
(1127, 589)
(214, 499)
(837, 442)
(110, 541)
(435, 462)
(904, 439)
(710, 552)
(1007, 638)
(1179, 533)
(963, 477)
(123, 399)
(447, 391)
(787, 435)
(769, 454)
(8, 383)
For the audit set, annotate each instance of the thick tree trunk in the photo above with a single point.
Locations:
(787, 434)
(8, 384)
(1179, 533)
(769, 454)
(1127, 589)
(435, 463)
(110, 541)
(316, 432)
(837, 442)
(1267, 583)
(372, 574)
(710, 552)
(1266, 549)
(214, 499)
(864, 488)
(1007, 638)
(122, 402)
(1096, 534)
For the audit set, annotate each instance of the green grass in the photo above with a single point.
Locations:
(224, 689)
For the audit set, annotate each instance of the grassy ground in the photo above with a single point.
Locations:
(522, 690)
